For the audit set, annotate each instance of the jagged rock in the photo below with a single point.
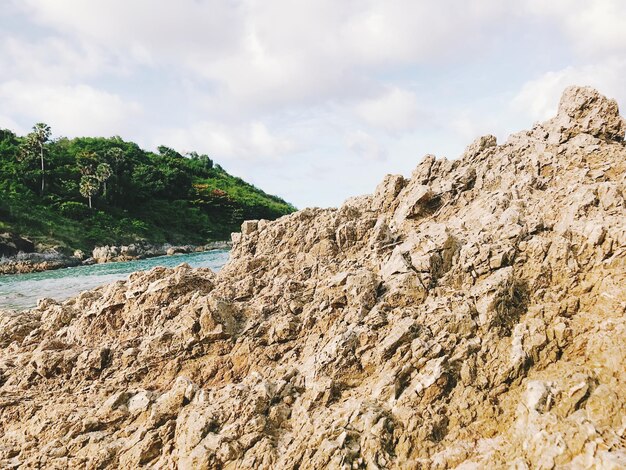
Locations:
(472, 316)
(249, 226)
(479, 146)
(582, 110)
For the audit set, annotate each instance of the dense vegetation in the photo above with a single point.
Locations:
(83, 192)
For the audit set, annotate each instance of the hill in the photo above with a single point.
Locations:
(472, 316)
(135, 195)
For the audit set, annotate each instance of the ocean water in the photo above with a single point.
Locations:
(21, 291)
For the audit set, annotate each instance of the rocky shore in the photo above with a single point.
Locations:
(18, 255)
(472, 316)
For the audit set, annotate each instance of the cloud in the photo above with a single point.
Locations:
(365, 146)
(8, 123)
(394, 110)
(149, 32)
(398, 31)
(595, 27)
(252, 141)
(276, 52)
(70, 110)
(49, 59)
(539, 98)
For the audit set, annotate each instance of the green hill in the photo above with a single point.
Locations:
(134, 194)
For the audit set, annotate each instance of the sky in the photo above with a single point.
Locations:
(315, 100)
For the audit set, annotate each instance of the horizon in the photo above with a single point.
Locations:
(313, 102)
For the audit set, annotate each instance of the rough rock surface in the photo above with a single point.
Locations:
(11, 244)
(472, 316)
(25, 262)
(134, 251)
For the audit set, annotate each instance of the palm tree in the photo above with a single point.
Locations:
(103, 173)
(34, 146)
(87, 162)
(89, 186)
(115, 155)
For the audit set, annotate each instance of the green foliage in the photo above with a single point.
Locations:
(136, 194)
(89, 187)
(74, 210)
(34, 149)
(103, 172)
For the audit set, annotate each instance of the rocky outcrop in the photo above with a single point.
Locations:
(23, 263)
(27, 262)
(134, 251)
(107, 253)
(12, 244)
(472, 316)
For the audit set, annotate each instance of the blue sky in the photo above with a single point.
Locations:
(312, 100)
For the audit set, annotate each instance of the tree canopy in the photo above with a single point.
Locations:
(92, 190)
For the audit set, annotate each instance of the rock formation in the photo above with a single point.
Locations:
(21, 262)
(135, 251)
(11, 244)
(29, 262)
(472, 316)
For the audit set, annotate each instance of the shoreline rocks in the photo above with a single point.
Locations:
(12, 244)
(23, 263)
(135, 251)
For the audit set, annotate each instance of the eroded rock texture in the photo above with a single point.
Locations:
(472, 316)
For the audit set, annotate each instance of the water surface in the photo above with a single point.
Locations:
(22, 291)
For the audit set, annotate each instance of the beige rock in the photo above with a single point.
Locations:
(249, 226)
(472, 316)
(584, 110)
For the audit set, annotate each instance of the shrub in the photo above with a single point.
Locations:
(74, 210)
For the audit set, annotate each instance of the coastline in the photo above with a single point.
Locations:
(24, 263)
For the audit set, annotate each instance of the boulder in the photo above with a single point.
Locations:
(582, 110)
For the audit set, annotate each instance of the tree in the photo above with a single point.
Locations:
(203, 160)
(103, 173)
(168, 152)
(89, 186)
(87, 162)
(35, 146)
(115, 156)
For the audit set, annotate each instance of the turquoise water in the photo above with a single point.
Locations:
(22, 291)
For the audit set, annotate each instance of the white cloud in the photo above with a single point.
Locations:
(267, 144)
(50, 60)
(146, 30)
(539, 98)
(418, 31)
(69, 110)
(595, 27)
(365, 146)
(252, 141)
(8, 123)
(274, 53)
(395, 110)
